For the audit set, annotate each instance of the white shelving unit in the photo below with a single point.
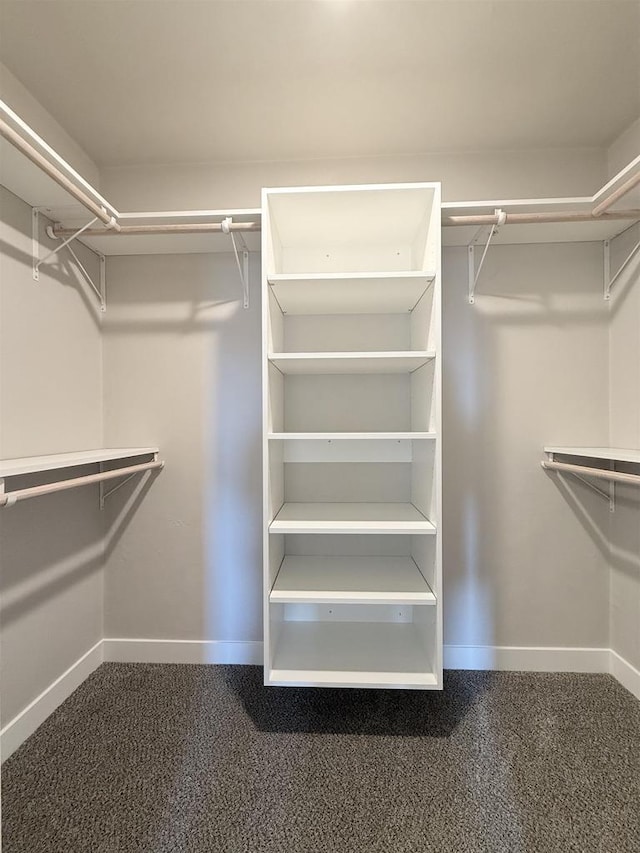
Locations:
(352, 449)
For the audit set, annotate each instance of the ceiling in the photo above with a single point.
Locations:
(167, 81)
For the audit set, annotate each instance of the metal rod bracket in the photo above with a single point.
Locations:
(37, 262)
(474, 275)
(243, 269)
(610, 280)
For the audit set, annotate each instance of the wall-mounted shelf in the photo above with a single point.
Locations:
(351, 580)
(605, 459)
(33, 465)
(54, 461)
(610, 454)
(596, 230)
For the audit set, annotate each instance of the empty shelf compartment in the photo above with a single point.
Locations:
(351, 654)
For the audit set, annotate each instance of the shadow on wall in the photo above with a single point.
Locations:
(183, 372)
(347, 711)
(232, 523)
(524, 367)
(68, 545)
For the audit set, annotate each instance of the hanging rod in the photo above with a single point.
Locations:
(537, 218)
(56, 175)
(9, 498)
(628, 185)
(599, 473)
(169, 228)
(447, 221)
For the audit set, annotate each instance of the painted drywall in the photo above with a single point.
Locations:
(464, 176)
(525, 556)
(50, 401)
(624, 405)
(182, 371)
(22, 102)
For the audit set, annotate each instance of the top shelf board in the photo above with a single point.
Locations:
(53, 462)
(611, 454)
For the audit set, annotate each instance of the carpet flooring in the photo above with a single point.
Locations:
(149, 758)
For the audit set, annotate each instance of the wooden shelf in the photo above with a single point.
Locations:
(350, 518)
(52, 462)
(351, 654)
(611, 454)
(350, 293)
(350, 580)
(350, 362)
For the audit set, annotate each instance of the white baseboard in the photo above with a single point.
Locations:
(182, 651)
(625, 673)
(27, 721)
(121, 650)
(526, 658)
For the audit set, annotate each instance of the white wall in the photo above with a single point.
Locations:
(470, 175)
(22, 102)
(50, 401)
(182, 370)
(527, 365)
(625, 420)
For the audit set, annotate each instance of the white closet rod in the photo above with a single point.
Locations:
(167, 228)
(537, 218)
(599, 209)
(56, 175)
(447, 221)
(9, 498)
(599, 473)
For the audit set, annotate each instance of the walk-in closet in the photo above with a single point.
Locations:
(320, 426)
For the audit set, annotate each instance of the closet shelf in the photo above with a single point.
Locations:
(610, 454)
(52, 462)
(350, 580)
(350, 362)
(62, 461)
(351, 436)
(350, 293)
(350, 518)
(351, 654)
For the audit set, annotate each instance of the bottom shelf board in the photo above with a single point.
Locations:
(350, 518)
(351, 654)
(353, 579)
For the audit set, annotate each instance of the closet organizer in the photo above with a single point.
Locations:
(351, 289)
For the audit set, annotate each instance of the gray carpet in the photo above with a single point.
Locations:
(201, 759)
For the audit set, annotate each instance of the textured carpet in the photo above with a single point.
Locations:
(201, 759)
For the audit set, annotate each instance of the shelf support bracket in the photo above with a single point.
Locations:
(37, 262)
(609, 496)
(243, 269)
(474, 275)
(105, 493)
(610, 280)
(99, 290)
